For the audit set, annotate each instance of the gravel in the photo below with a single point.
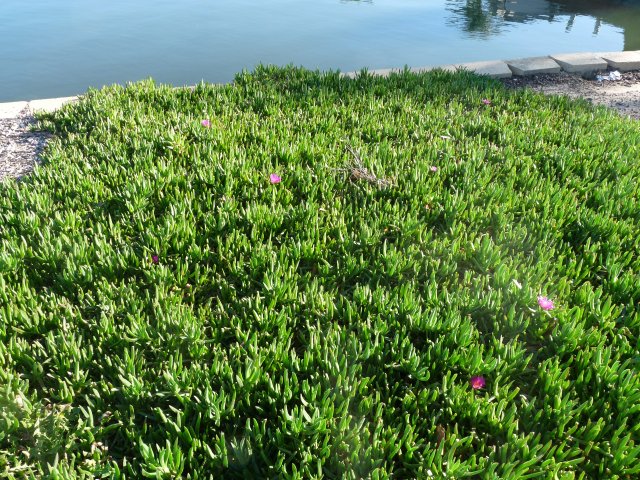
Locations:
(20, 147)
(622, 95)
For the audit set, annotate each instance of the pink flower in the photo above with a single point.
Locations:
(155, 259)
(433, 168)
(206, 123)
(273, 178)
(486, 101)
(545, 303)
(477, 382)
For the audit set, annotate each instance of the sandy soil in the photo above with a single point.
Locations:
(20, 148)
(622, 95)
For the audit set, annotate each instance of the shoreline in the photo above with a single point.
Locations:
(580, 63)
(20, 147)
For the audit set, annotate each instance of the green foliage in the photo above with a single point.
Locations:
(326, 326)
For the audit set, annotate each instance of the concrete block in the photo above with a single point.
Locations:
(623, 61)
(580, 62)
(49, 104)
(494, 69)
(446, 68)
(384, 72)
(11, 109)
(533, 66)
(421, 69)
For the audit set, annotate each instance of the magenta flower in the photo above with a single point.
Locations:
(433, 168)
(486, 101)
(273, 178)
(206, 123)
(477, 382)
(545, 303)
(155, 259)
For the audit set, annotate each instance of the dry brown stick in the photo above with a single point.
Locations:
(359, 172)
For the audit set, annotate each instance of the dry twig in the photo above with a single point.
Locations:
(357, 171)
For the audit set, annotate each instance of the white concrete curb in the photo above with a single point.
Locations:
(571, 63)
(14, 109)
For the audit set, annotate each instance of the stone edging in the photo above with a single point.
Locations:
(15, 109)
(571, 63)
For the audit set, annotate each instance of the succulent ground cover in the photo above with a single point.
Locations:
(301, 275)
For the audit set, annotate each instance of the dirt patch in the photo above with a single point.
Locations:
(20, 147)
(622, 95)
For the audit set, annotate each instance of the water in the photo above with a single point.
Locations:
(56, 48)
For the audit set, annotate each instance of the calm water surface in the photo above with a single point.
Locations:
(52, 48)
